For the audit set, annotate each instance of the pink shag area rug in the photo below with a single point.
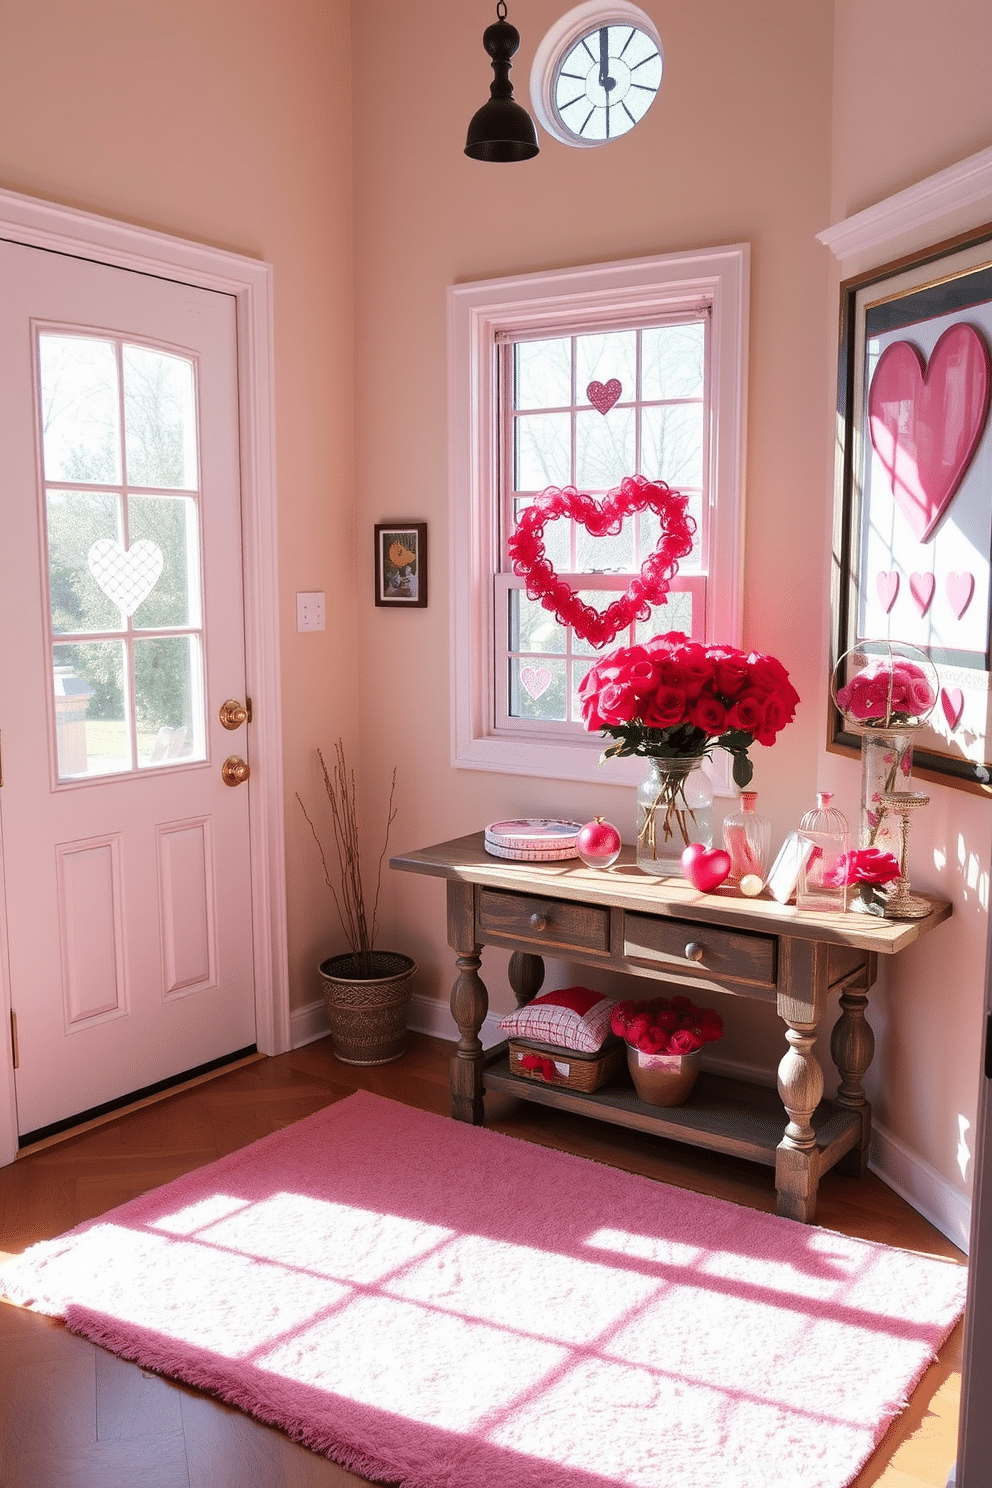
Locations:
(439, 1305)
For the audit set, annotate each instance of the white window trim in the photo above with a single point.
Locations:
(477, 312)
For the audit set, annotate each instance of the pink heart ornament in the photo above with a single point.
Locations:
(705, 868)
(960, 588)
(603, 395)
(888, 587)
(921, 587)
(925, 420)
(952, 702)
(535, 681)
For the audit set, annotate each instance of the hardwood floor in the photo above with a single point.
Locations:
(73, 1416)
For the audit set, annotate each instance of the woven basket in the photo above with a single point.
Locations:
(567, 1067)
(367, 1015)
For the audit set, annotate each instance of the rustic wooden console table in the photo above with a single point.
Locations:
(623, 920)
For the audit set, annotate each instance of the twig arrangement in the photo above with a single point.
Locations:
(348, 892)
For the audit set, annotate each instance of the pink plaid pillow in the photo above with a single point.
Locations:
(574, 1018)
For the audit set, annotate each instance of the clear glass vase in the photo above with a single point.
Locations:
(674, 808)
(747, 838)
(823, 833)
(886, 768)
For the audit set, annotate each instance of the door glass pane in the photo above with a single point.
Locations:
(91, 728)
(76, 521)
(79, 409)
(159, 419)
(166, 682)
(170, 524)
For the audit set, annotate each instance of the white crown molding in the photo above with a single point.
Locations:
(940, 198)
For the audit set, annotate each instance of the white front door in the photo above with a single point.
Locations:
(125, 854)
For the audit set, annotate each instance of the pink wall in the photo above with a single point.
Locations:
(222, 121)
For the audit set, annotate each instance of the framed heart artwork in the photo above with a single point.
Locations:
(913, 519)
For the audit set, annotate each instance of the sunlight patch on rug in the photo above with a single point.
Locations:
(440, 1305)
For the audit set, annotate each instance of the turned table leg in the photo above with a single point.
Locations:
(526, 976)
(800, 1078)
(852, 1045)
(469, 1005)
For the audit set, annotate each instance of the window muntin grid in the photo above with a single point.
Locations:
(551, 433)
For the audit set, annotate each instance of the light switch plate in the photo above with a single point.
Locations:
(310, 612)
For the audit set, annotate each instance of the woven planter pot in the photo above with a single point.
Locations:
(368, 1014)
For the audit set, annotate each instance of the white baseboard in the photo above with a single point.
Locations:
(913, 1179)
(905, 1172)
(426, 1015)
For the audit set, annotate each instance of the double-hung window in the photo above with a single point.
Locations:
(577, 379)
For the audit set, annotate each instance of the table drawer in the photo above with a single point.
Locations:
(687, 945)
(554, 923)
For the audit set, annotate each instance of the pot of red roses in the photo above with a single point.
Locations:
(665, 1037)
(672, 701)
(885, 691)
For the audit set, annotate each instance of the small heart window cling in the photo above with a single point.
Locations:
(126, 575)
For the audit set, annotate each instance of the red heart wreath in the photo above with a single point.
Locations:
(603, 519)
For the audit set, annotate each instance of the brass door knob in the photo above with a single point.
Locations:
(234, 770)
(233, 714)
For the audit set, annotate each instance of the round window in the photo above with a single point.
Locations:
(596, 73)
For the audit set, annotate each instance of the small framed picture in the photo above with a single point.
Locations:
(784, 876)
(401, 564)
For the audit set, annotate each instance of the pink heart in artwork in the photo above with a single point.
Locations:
(603, 395)
(705, 868)
(535, 681)
(921, 587)
(960, 588)
(126, 575)
(926, 419)
(888, 588)
(952, 702)
(603, 518)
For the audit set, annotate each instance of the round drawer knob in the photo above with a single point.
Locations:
(694, 951)
(538, 921)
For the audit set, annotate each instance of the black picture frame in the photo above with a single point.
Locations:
(401, 565)
(918, 573)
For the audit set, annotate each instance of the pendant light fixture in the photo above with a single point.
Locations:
(501, 130)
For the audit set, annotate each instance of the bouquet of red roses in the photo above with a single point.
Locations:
(673, 697)
(666, 1025)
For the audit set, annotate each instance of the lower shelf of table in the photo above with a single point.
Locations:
(731, 1116)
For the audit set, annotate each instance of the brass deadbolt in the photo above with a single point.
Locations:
(233, 714)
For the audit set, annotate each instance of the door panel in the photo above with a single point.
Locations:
(126, 857)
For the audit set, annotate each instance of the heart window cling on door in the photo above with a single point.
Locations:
(126, 575)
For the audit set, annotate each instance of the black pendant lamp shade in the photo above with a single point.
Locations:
(501, 130)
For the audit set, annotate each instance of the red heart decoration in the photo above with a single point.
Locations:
(960, 588)
(952, 702)
(921, 587)
(926, 420)
(602, 519)
(603, 395)
(888, 588)
(705, 868)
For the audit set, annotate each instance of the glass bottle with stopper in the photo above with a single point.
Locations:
(823, 834)
(747, 838)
